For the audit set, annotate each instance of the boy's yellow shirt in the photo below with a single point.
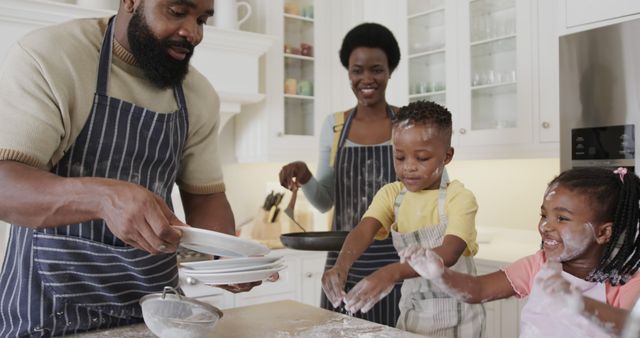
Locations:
(420, 209)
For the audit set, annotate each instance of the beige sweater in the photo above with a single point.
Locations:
(47, 83)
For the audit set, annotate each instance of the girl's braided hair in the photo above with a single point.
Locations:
(615, 197)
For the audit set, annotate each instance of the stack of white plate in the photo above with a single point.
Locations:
(233, 270)
(236, 267)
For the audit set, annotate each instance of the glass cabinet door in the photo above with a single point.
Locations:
(496, 75)
(493, 50)
(299, 67)
(426, 46)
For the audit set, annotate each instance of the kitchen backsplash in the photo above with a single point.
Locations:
(509, 192)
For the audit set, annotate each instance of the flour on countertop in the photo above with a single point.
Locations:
(345, 327)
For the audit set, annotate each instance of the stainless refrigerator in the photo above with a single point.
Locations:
(600, 97)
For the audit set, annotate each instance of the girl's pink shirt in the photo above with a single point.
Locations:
(521, 273)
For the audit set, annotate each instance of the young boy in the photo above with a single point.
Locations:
(424, 209)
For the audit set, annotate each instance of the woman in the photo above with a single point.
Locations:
(360, 161)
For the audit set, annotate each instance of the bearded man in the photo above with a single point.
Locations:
(100, 118)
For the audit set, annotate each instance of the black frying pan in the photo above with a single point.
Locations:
(315, 240)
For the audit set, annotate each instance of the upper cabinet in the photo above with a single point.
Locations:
(495, 82)
(299, 68)
(286, 126)
(585, 14)
(478, 58)
(427, 42)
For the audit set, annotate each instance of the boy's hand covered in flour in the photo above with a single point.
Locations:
(424, 261)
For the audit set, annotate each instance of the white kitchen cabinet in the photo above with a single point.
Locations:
(478, 57)
(427, 45)
(297, 84)
(503, 316)
(585, 12)
(311, 279)
(548, 74)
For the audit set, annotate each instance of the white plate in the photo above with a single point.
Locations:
(241, 262)
(234, 269)
(235, 277)
(219, 244)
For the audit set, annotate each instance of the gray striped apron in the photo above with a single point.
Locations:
(80, 277)
(425, 309)
(360, 172)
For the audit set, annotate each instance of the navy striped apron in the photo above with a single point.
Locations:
(80, 277)
(360, 172)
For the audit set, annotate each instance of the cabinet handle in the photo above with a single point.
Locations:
(546, 125)
(191, 281)
(462, 131)
(308, 274)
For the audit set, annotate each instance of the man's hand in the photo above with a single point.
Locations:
(139, 217)
(244, 287)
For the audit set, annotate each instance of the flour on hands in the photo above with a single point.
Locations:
(366, 294)
(424, 261)
(333, 283)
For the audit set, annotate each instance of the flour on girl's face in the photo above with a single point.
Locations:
(576, 242)
(551, 190)
(542, 226)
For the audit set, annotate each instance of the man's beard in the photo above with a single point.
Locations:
(151, 53)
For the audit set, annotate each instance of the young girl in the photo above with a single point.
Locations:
(422, 208)
(584, 279)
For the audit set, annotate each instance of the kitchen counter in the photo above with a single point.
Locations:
(504, 245)
(283, 319)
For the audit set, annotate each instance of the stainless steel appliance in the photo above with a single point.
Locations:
(600, 97)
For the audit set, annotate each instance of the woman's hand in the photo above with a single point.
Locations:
(369, 291)
(424, 261)
(294, 173)
(333, 283)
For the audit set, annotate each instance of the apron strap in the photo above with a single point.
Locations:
(178, 92)
(347, 125)
(442, 196)
(104, 62)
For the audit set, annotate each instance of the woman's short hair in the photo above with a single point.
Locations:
(372, 35)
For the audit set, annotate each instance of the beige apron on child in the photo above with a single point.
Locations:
(424, 308)
(541, 317)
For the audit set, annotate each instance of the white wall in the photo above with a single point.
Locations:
(509, 192)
